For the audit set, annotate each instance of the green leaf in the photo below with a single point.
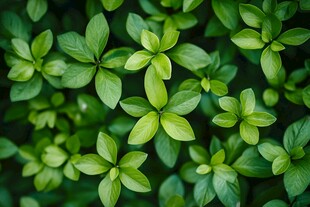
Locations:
(111, 5)
(230, 104)
(189, 5)
(136, 106)
(269, 6)
(199, 154)
(73, 144)
(251, 15)
(155, 89)
(226, 119)
(109, 191)
(296, 36)
(260, 119)
(22, 71)
(26, 201)
(204, 192)
(228, 193)
(270, 152)
(225, 172)
(97, 34)
(54, 156)
(132, 159)
(190, 85)
(116, 58)
(218, 88)
(205, 84)
(138, 60)
(166, 148)
(106, 147)
(248, 39)
(297, 153)
(169, 39)
(189, 56)
(281, 164)
(297, 134)
(275, 203)
(36, 9)
(75, 45)
(78, 75)
(271, 62)
(170, 187)
(32, 168)
(270, 97)
(215, 28)
(271, 28)
(188, 172)
(247, 100)
(250, 164)
(134, 180)
(286, 10)
(150, 41)
(177, 127)
(71, 172)
(145, 129)
(276, 46)
(162, 66)
(182, 20)
(227, 12)
(306, 96)
(21, 48)
(183, 102)
(113, 173)
(203, 169)
(108, 87)
(249, 133)
(42, 44)
(304, 4)
(134, 26)
(218, 157)
(92, 164)
(7, 148)
(26, 90)
(55, 67)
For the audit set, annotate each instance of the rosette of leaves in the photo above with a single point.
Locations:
(46, 159)
(269, 22)
(88, 51)
(292, 159)
(214, 77)
(243, 111)
(161, 117)
(125, 171)
(28, 66)
(211, 176)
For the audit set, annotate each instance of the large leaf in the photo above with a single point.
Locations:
(36, 9)
(204, 192)
(227, 12)
(281, 164)
(78, 75)
(271, 62)
(226, 119)
(92, 164)
(247, 100)
(251, 15)
(134, 26)
(248, 39)
(22, 49)
(162, 65)
(249, 133)
(132, 159)
(230, 104)
(177, 127)
(150, 41)
(22, 71)
(54, 156)
(106, 148)
(296, 36)
(228, 193)
(108, 87)
(42, 44)
(136, 106)
(109, 191)
(97, 33)
(134, 180)
(199, 154)
(170, 187)
(116, 58)
(271, 28)
(270, 152)
(138, 60)
(260, 119)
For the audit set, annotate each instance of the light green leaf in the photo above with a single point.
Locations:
(155, 89)
(113, 173)
(108, 87)
(271, 28)
(36, 9)
(182, 20)
(297, 153)
(21, 48)
(251, 15)
(226, 119)
(106, 147)
(26, 90)
(190, 85)
(230, 104)
(203, 169)
(270, 152)
(22, 71)
(189, 56)
(225, 172)
(138, 60)
(71, 172)
(218, 88)
(276, 46)
(170, 187)
(189, 5)
(134, 26)
(205, 84)
(177, 127)
(109, 191)
(247, 100)
(132, 159)
(92, 164)
(248, 39)
(75, 45)
(183, 102)
(166, 148)
(42, 44)
(54, 156)
(199, 154)
(7, 148)
(296, 36)
(145, 129)
(32, 168)
(218, 157)
(203, 191)
(26, 201)
(271, 62)
(150, 41)
(116, 58)
(306, 96)
(281, 164)
(55, 67)
(169, 39)
(136, 106)
(275, 203)
(162, 66)
(249, 133)
(111, 5)
(97, 34)
(134, 180)
(260, 119)
(78, 75)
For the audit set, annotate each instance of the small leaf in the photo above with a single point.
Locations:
(73, 144)
(306, 96)
(71, 172)
(169, 39)
(162, 66)
(109, 191)
(203, 191)
(21, 48)
(260, 119)
(275, 203)
(271, 62)
(134, 26)
(113, 173)
(270, 152)
(138, 60)
(92, 164)
(54, 156)
(189, 5)
(271, 28)
(136, 106)
(111, 5)
(78, 75)
(248, 39)
(32, 168)
(225, 172)
(134, 180)
(177, 127)
(249, 133)
(269, 6)
(170, 187)
(218, 88)
(286, 10)
(132, 159)
(188, 172)
(55, 67)
(26, 201)
(22, 71)
(106, 147)
(218, 157)
(226, 119)
(36, 9)
(227, 12)
(198, 154)
(203, 169)
(276, 46)
(230, 104)
(281, 164)
(296, 36)
(42, 44)
(116, 58)
(251, 15)
(7, 148)
(150, 41)
(247, 99)
(190, 85)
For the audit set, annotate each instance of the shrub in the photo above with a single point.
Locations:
(155, 103)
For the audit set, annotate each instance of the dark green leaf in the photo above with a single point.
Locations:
(270, 152)
(7, 148)
(304, 4)
(269, 6)
(270, 97)
(286, 10)
(275, 203)
(170, 187)
(188, 172)
(306, 96)
(26, 201)
(203, 191)
(184, 20)
(199, 154)
(251, 15)
(134, 26)
(116, 58)
(189, 5)
(73, 144)
(228, 193)
(271, 28)
(78, 75)
(227, 12)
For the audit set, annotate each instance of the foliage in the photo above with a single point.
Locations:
(168, 103)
